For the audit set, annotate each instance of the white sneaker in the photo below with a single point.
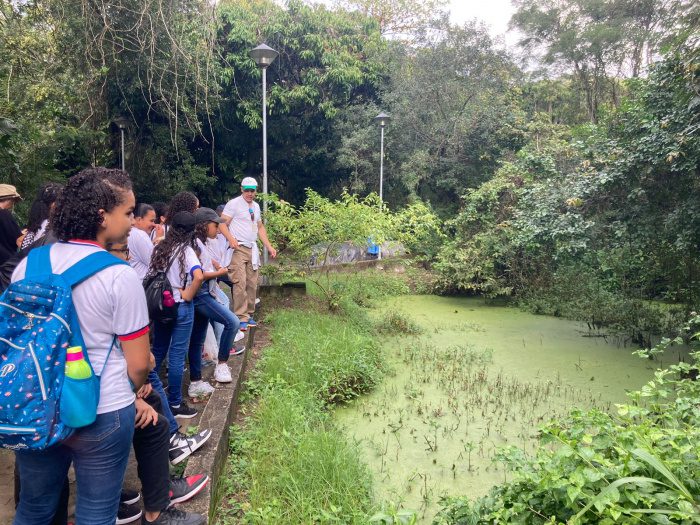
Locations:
(200, 389)
(222, 373)
(239, 335)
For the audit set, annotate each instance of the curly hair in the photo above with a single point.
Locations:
(176, 240)
(41, 207)
(201, 231)
(77, 213)
(183, 201)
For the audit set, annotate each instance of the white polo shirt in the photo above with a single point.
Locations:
(111, 302)
(176, 271)
(220, 250)
(140, 251)
(244, 224)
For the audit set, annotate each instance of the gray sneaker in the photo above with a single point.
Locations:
(173, 516)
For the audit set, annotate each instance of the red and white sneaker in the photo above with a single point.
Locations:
(182, 489)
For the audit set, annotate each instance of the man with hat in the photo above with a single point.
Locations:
(242, 228)
(10, 232)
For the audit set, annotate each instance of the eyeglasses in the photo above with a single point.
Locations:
(249, 191)
(252, 214)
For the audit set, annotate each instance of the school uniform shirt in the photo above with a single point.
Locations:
(111, 302)
(154, 232)
(244, 220)
(140, 251)
(220, 250)
(176, 271)
(207, 256)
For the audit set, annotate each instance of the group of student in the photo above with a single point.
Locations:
(196, 247)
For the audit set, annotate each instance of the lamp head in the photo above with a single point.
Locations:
(382, 119)
(121, 122)
(263, 55)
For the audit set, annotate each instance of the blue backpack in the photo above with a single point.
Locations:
(39, 405)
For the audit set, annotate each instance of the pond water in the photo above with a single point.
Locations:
(477, 378)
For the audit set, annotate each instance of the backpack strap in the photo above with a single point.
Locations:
(38, 262)
(111, 347)
(89, 266)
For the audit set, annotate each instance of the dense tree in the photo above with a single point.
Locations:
(456, 112)
(598, 41)
(326, 66)
(398, 18)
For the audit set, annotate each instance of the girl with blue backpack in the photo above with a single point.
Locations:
(111, 318)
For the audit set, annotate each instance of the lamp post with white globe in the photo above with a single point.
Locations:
(264, 56)
(382, 119)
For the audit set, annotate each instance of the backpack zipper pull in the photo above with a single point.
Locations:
(30, 321)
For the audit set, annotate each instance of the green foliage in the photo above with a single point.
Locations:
(298, 468)
(639, 466)
(420, 230)
(323, 355)
(328, 65)
(322, 221)
(292, 463)
(590, 222)
(312, 234)
(396, 323)
(455, 114)
(594, 39)
(363, 288)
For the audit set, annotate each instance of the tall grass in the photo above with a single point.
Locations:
(324, 355)
(292, 463)
(301, 468)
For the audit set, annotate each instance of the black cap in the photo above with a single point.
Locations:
(184, 221)
(207, 215)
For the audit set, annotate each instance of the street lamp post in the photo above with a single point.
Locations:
(382, 119)
(264, 56)
(121, 123)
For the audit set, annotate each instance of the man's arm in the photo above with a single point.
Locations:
(262, 233)
(223, 228)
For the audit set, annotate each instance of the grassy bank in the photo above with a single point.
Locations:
(289, 463)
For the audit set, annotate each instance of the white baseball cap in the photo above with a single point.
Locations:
(249, 183)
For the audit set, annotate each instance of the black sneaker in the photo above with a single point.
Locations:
(182, 489)
(183, 411)
(129, 496)
(128, 513)
(173, 516)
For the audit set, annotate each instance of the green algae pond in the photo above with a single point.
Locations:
(475, 379)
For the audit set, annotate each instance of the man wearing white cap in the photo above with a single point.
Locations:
(242, 228)
(10, 232)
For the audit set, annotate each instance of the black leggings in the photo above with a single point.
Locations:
(151, 448)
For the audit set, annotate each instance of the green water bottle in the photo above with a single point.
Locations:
(76, 366)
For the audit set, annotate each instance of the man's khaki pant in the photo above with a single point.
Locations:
(245, 282)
